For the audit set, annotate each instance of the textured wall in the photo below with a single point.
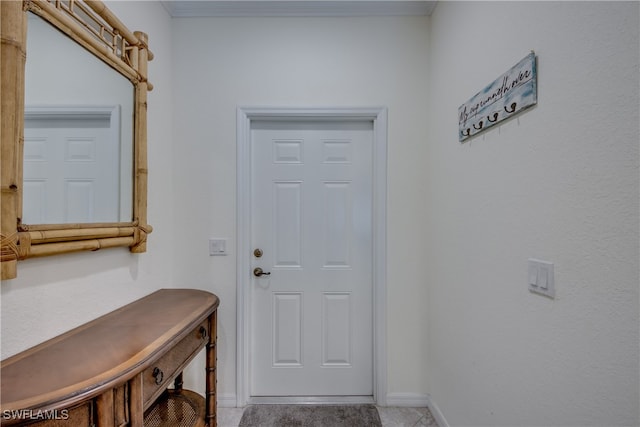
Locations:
(202, 71)
(54, 294)
(559, 183)
(289, 62)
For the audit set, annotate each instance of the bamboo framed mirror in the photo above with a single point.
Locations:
(89, 217)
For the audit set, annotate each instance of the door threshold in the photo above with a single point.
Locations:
(310, 400)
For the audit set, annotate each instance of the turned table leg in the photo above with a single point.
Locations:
(211, 373)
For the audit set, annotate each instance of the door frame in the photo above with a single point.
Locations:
(244, 117)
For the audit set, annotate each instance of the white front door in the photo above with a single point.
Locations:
(311, 327)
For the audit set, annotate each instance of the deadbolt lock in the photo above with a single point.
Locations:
(257, 253)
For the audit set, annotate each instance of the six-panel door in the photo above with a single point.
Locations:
(311, 195)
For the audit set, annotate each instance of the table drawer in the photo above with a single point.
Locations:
(158, 376)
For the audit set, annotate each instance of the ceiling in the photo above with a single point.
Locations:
(221, 8)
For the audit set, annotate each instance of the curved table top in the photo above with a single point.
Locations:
(109, 350)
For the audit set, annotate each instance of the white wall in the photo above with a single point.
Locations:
(53, 295)
(217, 65)
(223, 63)
(558, 183)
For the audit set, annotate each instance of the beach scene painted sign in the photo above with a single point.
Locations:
(511, 93)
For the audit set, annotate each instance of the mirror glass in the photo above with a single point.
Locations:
(78, 133)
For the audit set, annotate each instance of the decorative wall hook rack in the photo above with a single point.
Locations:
(511, 93)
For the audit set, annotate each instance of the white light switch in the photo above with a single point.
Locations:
(533, 276)
(217, 246)
(541, 280)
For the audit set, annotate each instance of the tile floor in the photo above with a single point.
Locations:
(390, 417)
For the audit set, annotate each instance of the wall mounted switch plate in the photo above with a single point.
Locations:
(217, 247)
(540, 278)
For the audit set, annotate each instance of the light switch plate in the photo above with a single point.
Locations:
(217, 247)
(541, 278)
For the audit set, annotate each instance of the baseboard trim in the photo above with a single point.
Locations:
(227, 400)
(437, 414)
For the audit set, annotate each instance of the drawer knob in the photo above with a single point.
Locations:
(158, 375)
(203, 332)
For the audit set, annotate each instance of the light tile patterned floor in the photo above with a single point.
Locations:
(229, 417)
(406, 417)
(390, 417)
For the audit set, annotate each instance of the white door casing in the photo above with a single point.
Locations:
(339, 300)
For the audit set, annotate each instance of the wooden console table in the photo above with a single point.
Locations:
(115, 370)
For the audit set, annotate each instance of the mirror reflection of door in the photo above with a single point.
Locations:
(71, 164)
(83, 109)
